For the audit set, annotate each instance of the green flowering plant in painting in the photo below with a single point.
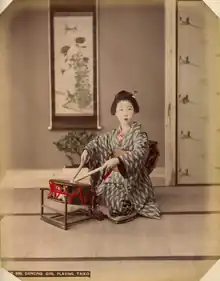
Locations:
(73, 143)
(82, 93)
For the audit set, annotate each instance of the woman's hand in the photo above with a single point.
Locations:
(111, 163)
(84, 157)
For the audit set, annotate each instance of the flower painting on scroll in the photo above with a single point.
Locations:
(73, 62)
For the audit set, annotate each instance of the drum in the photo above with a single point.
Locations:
(76, 193)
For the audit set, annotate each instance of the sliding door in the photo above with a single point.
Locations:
(198, 94)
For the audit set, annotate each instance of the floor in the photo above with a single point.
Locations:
(183, 245)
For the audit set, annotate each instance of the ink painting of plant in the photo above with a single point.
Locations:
(73, 61)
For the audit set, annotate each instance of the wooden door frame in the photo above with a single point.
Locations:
(170, 92)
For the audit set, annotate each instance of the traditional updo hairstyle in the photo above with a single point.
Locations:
(122, 96)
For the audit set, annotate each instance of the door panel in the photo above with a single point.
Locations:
(198, 94)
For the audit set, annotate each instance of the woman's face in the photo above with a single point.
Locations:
(124, 112)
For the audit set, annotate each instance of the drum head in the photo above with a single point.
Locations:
(67, 182)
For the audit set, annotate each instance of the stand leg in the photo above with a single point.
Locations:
(42, 203)
(65, 213)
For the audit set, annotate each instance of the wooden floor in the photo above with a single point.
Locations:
(183, 245)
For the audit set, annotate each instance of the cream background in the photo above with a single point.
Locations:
(4, 4)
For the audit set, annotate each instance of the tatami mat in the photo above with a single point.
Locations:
(170, 199)
(180, 235)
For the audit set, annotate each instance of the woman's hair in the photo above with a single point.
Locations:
(122, 96)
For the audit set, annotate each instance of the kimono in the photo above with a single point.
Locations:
(128, 191)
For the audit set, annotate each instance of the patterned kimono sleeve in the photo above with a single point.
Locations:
(99, 148)
(133, 162)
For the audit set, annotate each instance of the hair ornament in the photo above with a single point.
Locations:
(134, 94)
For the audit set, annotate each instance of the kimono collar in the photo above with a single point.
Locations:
(135, 126)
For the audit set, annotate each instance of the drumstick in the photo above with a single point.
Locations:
(78, 171)
(91, 173)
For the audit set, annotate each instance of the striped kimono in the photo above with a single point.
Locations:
(128, 191)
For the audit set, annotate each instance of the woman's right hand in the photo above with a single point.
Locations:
(84, 157)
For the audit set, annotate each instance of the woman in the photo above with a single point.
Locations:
(127, 191)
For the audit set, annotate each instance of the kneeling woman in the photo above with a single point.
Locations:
(127, 191)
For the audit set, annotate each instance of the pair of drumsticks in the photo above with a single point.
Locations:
(88, 174)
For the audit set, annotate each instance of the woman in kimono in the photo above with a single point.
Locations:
(127, 191)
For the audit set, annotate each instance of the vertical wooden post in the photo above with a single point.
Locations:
(42, 202)
(170, 92)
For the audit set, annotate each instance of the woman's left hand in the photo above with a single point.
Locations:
(111, 163)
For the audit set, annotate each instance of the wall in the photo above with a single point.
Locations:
(5, 89)
(131, 45)
(198, 152)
